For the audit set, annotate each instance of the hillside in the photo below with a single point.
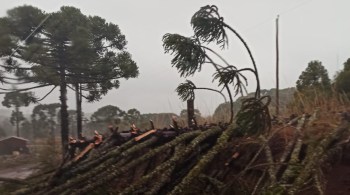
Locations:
(286, 96)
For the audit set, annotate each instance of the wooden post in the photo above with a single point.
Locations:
(277, 69)
(190, 111)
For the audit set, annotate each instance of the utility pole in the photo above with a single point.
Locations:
(277, 70)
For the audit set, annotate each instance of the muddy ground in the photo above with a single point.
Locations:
(18, 172)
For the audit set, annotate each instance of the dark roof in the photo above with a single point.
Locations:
(14, 137)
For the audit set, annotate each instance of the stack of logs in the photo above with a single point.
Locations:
(208, 159)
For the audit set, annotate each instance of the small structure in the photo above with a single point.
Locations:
(12, 144)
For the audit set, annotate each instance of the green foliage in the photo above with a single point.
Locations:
(208, 25)
(114, 171)
(106, 73)
(5, 41)
(132, 116)
(32, 16)
(108, 114)
(204, 160)
(315, 77)
(69, 48)
(189, 55)
(342, 81)
(166, 168)
(16, 117)
(186, 90)
(254, 117)
(44, 119)
(18, 99)
(231, 75)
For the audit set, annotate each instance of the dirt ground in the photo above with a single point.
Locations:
(18, 172)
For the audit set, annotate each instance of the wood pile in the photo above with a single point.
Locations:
(289, 158)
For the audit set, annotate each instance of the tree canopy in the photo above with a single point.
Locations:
(62, 48)
(108, 114)
(16, 100)
(44, 119)
(342, 81)
(315, 76)
(190, 54)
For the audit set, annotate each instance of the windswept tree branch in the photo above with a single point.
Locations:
(47, 94)
(15, 67)
(24, 89)
(78, 92)
(227, 88)
(251, 57)
(213, 90)
(218, 55)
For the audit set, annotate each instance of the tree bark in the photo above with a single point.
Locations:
(190, 111)
(79, 110)
(64, 112)
(17, 121)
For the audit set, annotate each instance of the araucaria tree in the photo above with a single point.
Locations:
(108, 114)
(190, 54)
(44, 119)
(17, 100)
(186, 93)
(64, 48)
(315, 77)
(342, 81)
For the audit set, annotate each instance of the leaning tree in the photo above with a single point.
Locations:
(63, 48)
(186, 92)
(190, 54)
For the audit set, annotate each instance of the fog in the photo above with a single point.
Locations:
(309, 30)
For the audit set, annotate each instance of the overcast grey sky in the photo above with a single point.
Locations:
(309, 30)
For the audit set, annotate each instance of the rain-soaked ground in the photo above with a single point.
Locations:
(18, 172)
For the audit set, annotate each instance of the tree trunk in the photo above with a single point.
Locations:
(64, 112)
(79, 110)
(190, 111)
(17, 121)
